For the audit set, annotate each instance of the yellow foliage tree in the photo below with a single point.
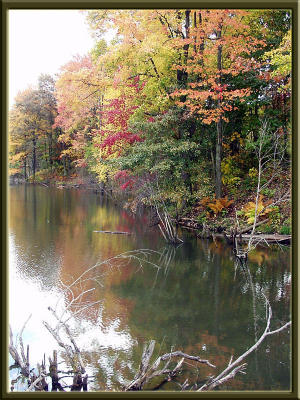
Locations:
(262, 209)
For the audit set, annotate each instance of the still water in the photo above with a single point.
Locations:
(194, 298)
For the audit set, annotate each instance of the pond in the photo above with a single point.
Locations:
(193, 298)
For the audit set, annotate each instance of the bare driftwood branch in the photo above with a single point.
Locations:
(25, 358)
(21, 360)
(226, 378)
(184, 355)
(234, 367)
(147, 372)
(34, 384)
(75, 354)
(66, 347)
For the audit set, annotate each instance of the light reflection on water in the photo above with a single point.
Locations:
(29, 300)
(197, 301)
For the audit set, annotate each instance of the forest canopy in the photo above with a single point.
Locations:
(175, 99)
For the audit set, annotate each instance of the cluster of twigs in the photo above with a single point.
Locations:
(37, 377)
(269, 157)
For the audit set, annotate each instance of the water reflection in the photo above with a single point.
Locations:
(193, 298)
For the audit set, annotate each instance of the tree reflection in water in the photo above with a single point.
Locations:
(199, 301)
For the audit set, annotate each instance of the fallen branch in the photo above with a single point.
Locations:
(66, 347)
(35, 382)
(249, 228)
(114, 233)
(226, 378)
(230, 371)
(76, 353)
(147, 372)
(184, 355)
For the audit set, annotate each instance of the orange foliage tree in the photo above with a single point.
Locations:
(217, 48)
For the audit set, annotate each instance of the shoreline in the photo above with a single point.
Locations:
(215, 229)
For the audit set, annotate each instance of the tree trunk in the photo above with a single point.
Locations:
(54, 373)
(219, 160)
(187, 33)
(50, 143)
(182, 75)
(182, 78)
(219, 140)
(25, 169)
(64, 164)
(46, 154)
(33, 156)
(213, 165)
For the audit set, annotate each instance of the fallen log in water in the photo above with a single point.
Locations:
(269, 238)
(114, 233)
(240, 234)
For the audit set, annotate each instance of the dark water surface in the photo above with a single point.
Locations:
(194, 298)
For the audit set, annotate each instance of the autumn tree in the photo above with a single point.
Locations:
(143, 55)
(18, 143)
(26, 122)
(48, 110)
(31, 130)
(197, 80)
(79, 94)
(219, 50)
